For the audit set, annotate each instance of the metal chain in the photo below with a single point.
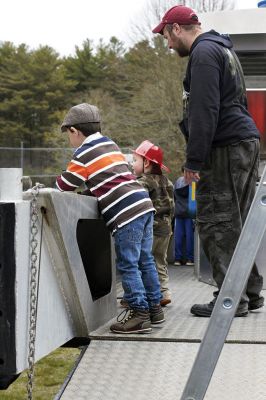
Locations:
(34, 286)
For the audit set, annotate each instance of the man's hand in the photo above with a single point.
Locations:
(191, 176)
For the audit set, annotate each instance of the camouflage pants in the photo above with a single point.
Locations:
(224, 195)
(159, 251)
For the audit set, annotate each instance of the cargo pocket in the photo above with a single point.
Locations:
(214, 208)
(204, 208)
(222, 207)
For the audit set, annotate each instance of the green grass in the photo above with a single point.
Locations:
(49, 374)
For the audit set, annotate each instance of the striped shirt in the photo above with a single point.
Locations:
(99, 163)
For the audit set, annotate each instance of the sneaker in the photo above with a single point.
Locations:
(124, 303)
(178, 262)
(255, 304)
(157, 314)
(164, 302)
(205, 310)
(190, 263)
(132, 321)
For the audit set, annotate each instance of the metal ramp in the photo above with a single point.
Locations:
(157, 365)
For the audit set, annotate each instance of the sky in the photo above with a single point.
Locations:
(63, 24)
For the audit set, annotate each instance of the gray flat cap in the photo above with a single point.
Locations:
(81, 114)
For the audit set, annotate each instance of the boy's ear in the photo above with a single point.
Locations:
(73, 130)
(146, 162)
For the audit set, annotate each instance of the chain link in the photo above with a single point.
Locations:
(34, 285)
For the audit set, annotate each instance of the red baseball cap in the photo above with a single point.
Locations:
(181, 15)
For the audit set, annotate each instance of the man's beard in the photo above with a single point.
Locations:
(181, 49)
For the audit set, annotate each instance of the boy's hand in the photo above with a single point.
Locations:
(191, 176)
(86, 192)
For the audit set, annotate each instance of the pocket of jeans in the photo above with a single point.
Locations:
(129, 235)
(214, 208)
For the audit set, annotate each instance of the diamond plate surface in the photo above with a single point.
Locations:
(182, 326)
(112, 370)
(156, 366)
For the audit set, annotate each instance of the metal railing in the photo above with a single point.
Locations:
(41, 164)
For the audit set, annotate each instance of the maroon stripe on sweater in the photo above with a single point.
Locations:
(62, 185)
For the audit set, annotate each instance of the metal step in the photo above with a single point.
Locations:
(118, 370)
(157, 365)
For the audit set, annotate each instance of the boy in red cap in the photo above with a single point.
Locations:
(148, 165)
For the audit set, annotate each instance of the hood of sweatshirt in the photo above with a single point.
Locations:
(213, 36)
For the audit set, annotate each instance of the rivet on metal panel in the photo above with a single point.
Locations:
(227, 303)
(263, 200)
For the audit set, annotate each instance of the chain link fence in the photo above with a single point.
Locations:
(42, 165)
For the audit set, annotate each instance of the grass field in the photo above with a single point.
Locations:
(50, 373)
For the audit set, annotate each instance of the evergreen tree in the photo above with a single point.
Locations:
(98, 68)
(33, 89)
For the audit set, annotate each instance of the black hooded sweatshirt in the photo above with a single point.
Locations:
(215, 104)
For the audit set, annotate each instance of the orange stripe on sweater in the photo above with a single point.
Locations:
(104, 162)
(78, 169)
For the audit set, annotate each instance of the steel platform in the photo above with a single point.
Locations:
(157, 365)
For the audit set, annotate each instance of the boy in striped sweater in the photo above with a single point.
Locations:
(126, 209)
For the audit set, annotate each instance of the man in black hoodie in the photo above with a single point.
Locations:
(222, 145)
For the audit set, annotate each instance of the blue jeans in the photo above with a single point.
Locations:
(184, 230)
(135, 262)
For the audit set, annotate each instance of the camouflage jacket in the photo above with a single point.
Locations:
(161, 192)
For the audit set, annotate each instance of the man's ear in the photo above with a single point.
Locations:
(176, 28)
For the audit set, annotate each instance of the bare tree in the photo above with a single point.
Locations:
(155, 9)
